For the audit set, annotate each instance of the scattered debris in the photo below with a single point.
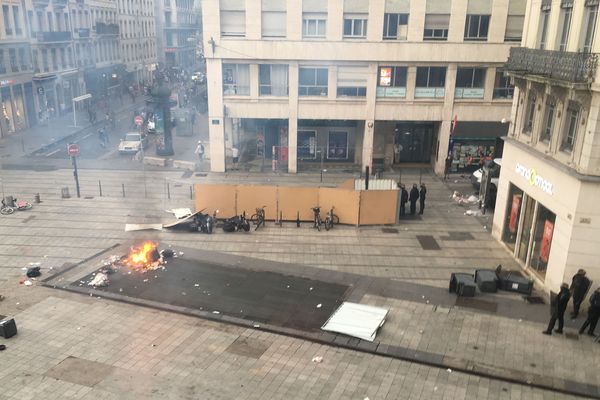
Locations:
(216, 312)
(310, 289)
(196, 284)
(317, 359)
(319, 305)
(448, 370)
(28, 283)
(167, 253)
(33, 272)
(475, 213)
(421, 331)
(256, 325)
(460, 199)
(100, 280)
(1, 297)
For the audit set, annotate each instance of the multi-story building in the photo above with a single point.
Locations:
(178, 28)
(546, 211)
(138, 38)
(359, 82)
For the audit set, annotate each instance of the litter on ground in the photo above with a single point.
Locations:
(100, 280)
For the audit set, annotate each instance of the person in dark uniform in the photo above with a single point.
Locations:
(413, 197)
(558, 310)
(448, 166)
(403, 200)
(422, 194)
(593, 314)
(579, 287)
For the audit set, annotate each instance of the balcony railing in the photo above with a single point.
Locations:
(53, 36)
(559, 65)
(60, 3)
(41, 3)
(106, 29)
(82, 33)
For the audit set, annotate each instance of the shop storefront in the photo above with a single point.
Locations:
(16, 101)
(473, 143)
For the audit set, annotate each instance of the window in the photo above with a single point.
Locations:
(546, 133)
(312, 82)
(391, 82)
(502, 86)
(515, 21)
(469, 83)
(63, 57)
(54, 59)
(236, 79)
(7, 28)
(543, 32)
(395, 26)
(273, 80)
(476, 27)
(2, 65)
(12, 56)
(570, 134)
(274, 23)
(16, 18)
(314, 25)
(307, 145)
(352, 81)
(233, 18)
(529, 113)
(589, 26)
(337, 146)
(436, 27)
(564, 26)
(430, 82)
(355, 26)
(23, 59)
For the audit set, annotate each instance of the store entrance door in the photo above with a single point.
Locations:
(414, 142)
(527, 222)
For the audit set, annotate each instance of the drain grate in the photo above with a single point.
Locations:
(534, 299)
(389, 230)
(427, 242)
(481, 305)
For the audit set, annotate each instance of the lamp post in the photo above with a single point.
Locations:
(159, 100)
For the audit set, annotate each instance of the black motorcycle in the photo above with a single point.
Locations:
(236, 224)
(202, 223)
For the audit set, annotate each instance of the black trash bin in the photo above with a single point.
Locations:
(462, 284)
(8, 328)
(486, 280)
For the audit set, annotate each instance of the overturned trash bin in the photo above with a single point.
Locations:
(8, 328)
(462, 284)
(513, 281)
(486, 280)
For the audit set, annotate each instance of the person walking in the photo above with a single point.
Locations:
(422, 194)
(448, 166)
(579, 287)
(200, 150)
(593, 314)
(413, 197)
(403, 200)
(558, 310)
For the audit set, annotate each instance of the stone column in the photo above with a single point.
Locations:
(447, 117)
(216, 131)
(369, 128)
(293, 119)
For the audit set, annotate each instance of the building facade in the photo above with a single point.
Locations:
(546, 211)
(178, 27)
(357, 82)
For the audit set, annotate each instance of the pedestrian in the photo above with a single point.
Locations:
(422, 194)
(558, 310)
(579, 287)
(200, 150)
(593, 314)
(101, 137)
(235, 154)
(448, 166)
(403, 200)
(413, 197)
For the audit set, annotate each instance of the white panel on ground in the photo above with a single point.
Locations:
(357, 320)
(142, 227)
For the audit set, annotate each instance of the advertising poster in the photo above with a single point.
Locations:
(385, 76)
(546, 241)
(514, 213)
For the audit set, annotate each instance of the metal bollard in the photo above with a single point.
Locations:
(168, 191)
(36, 198)
(123, 188)
(191, 192)
(100, 187)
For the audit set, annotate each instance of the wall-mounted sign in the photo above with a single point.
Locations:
(6, 82)
(534, 179)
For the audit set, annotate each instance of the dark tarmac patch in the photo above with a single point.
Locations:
(427, 242)
(80, 371)
(482, 305)
(259, 296)
(389, 230)
(248, 347)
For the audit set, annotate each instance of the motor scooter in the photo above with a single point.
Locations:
(236, 224)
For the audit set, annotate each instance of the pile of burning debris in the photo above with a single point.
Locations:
(144, 258)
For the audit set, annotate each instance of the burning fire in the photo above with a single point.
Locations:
(144, 257)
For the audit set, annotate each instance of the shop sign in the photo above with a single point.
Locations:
(6, 82)
(534, 179)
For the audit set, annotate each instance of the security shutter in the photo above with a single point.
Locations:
(352, 76)
(517, 7)
(397, 6)
(233, 23)
(274, 24)
(514, 27)
(233, 5)
(273, 5)
(481, 7)
(356, 6)
(437, 21)
(317, 6)
(438, 7)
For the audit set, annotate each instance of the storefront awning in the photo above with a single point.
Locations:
(43, 77)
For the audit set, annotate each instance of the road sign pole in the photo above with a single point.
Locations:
(74, 160)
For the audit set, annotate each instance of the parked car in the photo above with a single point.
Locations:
(198, 77)
(494, 166)
(132, 143)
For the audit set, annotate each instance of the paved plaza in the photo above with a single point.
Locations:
(79, 346)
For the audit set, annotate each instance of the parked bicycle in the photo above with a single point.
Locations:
(7, 209)
(258, 219)
(331, 219)
(317, 218)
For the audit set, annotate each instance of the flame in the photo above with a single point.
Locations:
(141, 257)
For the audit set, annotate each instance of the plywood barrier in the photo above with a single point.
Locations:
(297, 199)
(212, 197)
(249, 198)
(378, 207)
(347, 184)
(345, 204)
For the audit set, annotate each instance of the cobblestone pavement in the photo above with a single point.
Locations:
(193, 358)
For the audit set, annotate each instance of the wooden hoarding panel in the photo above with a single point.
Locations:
(378, 207)
(344, 203)
(297, 199)
(251, 197)
(216, 197)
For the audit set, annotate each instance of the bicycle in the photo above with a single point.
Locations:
(331, 219)
(258, 219)
(6, 210)
(317, 218)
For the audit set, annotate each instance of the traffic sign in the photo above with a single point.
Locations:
(138, 120)
(73, 149)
